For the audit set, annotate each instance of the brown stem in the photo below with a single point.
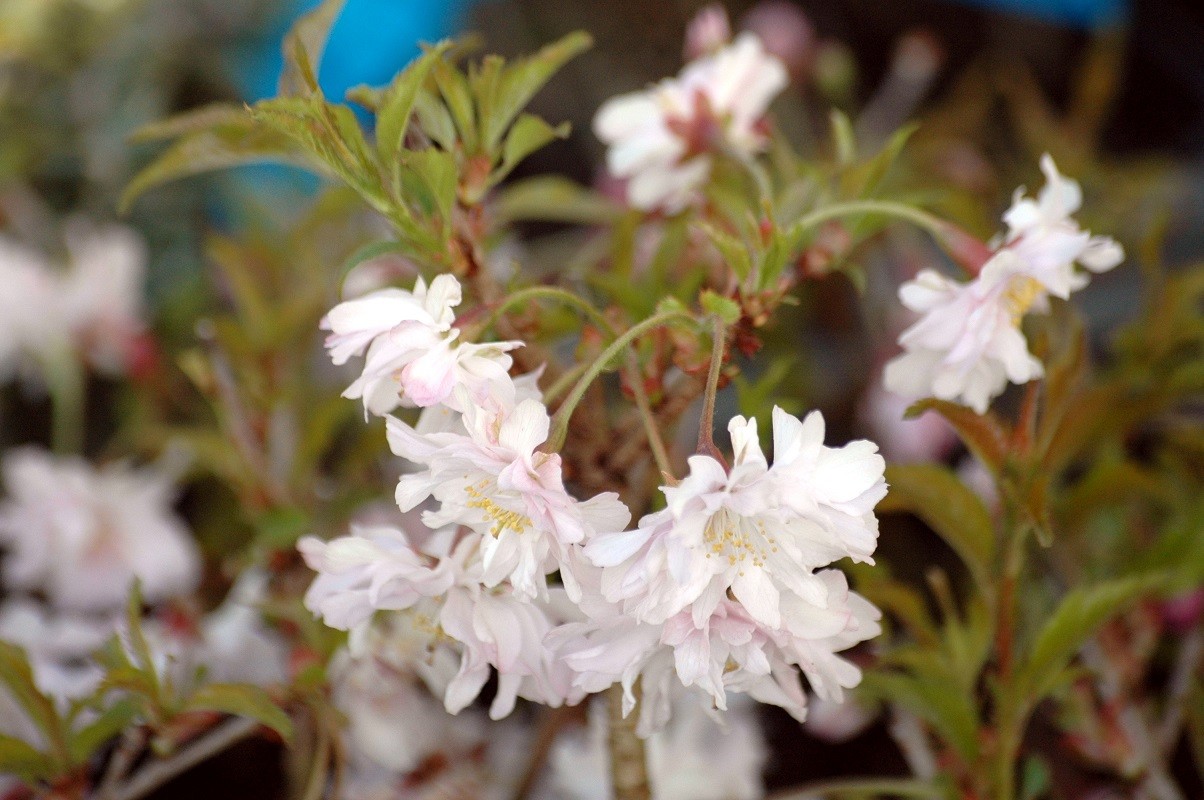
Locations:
(157, 773)
(628, 762)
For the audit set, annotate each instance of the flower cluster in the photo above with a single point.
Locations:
(663, 140)
(968, 345)
(721, 588)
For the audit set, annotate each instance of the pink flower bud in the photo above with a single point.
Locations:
(786, 33)
(707, 32)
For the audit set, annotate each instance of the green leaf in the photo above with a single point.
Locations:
(435, 120)
(17, 675)
(734, 252)
(397, 104)
(843, 137)
(1076, 619)
(232, 143)
(87, 740)
(25, 761)
(955, 513)
(725, 308)
(437, 171)
(458, 97)
(303, 48)
(522, 79)
(929, 692)
(554, 198)
(212, 116)
(243, 701)
(983, 434)
(529, 134)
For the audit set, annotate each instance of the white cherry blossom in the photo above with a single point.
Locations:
(495, 481)
(662, 139)
(756, 531)
(82, 535)
(412, 351)
(1043, 234)
(967, 345)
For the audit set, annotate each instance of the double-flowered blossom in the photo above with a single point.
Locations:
(82, 535)
(441, 597)
(413, 353)
(758, 531)
(662, 140)
(967, 344)
(729, 651)
(719, 591)
(493, 480)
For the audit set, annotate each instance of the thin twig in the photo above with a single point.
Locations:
(157, 773)
(1183, 678)
(706, 425)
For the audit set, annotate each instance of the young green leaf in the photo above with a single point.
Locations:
(24, 761)
(1078, 616)
(529, 134)
(244, 701)
(522, 79)
(397, 104)
(303, 48)
(83, 743)
(17, 675)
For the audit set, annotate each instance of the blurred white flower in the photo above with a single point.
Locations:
(101, 293)
(694, 758)
(756, 531)
(837, 722)
(412, 352)
(662, 139)
(928, 437)
(967, 345)
(82, 535)
(494, 481)
(29, 315)
(1042, 233)
(236, 646)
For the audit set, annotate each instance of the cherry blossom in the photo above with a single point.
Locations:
(412, 352)
(495, 481)
(82, 535)
(758, 531)
(662, 140)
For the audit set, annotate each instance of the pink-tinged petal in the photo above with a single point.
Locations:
(525, 428)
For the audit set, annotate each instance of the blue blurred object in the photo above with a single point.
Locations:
(371, 41)
(1077, 13)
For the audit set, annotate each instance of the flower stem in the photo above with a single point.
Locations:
(651, 429)
(923, 219)
(65, 382)
(628, 761)
(562, 296)
(560, 422)
(706, 425)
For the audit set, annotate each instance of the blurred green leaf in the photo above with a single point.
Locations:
(243, 701)
(1075, 620)
(529, 134)
(17, 675)
(522, 79)
(303, 47)
(554, 198)
(85, 742)
(24, 761)
(983, 434)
